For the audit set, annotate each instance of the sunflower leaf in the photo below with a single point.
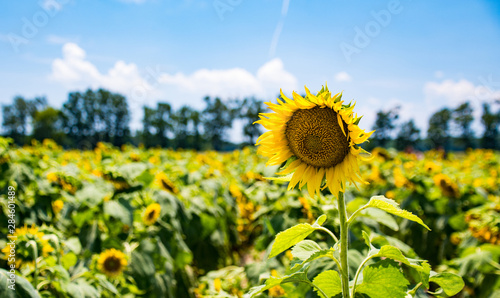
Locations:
(304, 249)
(300, 276)
(389, 206)
(329, 282)
(450, 283)
(423, 268)
(383, 279)
(290, 237)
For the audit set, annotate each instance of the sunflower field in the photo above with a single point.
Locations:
(136, 222)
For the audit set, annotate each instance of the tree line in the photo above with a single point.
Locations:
(448, 129)
(93, 116)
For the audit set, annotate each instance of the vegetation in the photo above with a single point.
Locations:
(218, 217)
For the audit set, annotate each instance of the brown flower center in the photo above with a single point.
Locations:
(112, 264)
(315, 137)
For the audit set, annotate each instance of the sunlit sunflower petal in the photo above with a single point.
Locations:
(320, 133)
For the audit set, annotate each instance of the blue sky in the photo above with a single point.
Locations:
(421, 55)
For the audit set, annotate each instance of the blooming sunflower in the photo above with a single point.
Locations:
(151, 214)
(112, 262)
(319, 138)
(24, 254)
(57, 206)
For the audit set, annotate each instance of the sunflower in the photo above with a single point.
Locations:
(57, 206)
(151, 214)
(318, 136)
(112, 262)
(447, 186)
(24, 253)
(164, 183)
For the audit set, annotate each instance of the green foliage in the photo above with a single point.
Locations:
(438, 131)
(217, 224)
(288, 238)
(389, 206)
(383, 279)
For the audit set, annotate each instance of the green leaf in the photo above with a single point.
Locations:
(324, 253)
(73, 244)
(367, 239)
(449, 282)
(290, 237)
(383, 279)
(304, 249)
(274, 281)
(90, 195)
(69, 260)
(118, 211)
(329, 282)
(390, 206)
(23, 287)
(106, 284)
(391, 252)
(381, 217)
(320, 220)
(80, 288)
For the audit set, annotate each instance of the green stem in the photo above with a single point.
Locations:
(329, 232)
(319, 290)
(357, 274)
(32, 243)
(343, 246)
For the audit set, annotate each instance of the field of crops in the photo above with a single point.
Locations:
(135, 222)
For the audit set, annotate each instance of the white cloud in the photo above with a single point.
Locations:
(452, 93)
(234, 82)
(343, 77)
(76, 72)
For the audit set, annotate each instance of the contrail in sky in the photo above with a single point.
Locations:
(279, 27)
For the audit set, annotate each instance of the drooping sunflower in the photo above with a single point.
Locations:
(447, 186)
(112, 262)
(161, 180)
(151, 214)
(319, 138)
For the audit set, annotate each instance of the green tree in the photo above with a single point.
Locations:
(217, 118)
(185, 125)
(47, 125)
(408, 135)
(157, 123)
(438, 131)
(95, 116)
(384, 125)
(17, 117)
(197, 139)
(112, 117)
(463, 118)
(491, 122)
(147, 124)
(79, 118)
(249, 112)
